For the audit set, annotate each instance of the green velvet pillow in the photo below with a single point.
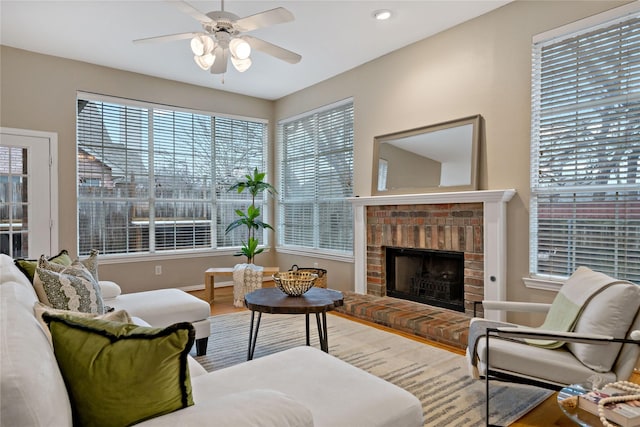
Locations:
(120, 374)
(28, 266)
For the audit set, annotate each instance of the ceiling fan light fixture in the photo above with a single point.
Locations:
(201, 45)
(382, 14)
(241, 65)
(239, 48)
(221, 38)
(205, 61)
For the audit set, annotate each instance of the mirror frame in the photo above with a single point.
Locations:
(476, 121)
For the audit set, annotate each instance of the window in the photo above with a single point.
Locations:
(585, 151)
(154, 179)
(316, 177)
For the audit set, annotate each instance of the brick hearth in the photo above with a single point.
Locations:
(447, 226)
(436, 324)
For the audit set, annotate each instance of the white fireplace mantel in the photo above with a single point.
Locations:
(495, 234)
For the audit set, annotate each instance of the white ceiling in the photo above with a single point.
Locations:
(332, 36)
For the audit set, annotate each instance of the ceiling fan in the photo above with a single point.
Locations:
(223, 37)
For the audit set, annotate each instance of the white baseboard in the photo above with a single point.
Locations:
(226, 284)
(201, 287)
(192, 288)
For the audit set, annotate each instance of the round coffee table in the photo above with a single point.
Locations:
(577, 415)
(274, 301)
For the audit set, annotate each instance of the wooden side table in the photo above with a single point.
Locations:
(274, 301)
(226, 271)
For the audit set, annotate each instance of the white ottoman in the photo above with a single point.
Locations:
(337, 394)
(163, 307)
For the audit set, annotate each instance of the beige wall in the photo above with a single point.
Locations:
(38, 92)
(480, 67)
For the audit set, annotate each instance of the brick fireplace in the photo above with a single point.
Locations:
(471, 222)
(449, 227)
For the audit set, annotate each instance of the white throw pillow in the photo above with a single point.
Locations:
(31, 385)
(609, 313)
(109, 289)
(39, 309)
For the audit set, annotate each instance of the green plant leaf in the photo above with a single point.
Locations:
(260, 224)
(237, 223)
(253, 212)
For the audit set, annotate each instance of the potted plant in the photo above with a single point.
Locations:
(254, 184)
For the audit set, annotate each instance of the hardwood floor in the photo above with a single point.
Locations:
(547, 414)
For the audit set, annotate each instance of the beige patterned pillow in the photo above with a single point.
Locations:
(90, 263)
(67, 287)
(39, 309)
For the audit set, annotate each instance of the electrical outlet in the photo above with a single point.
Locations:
(158, 270)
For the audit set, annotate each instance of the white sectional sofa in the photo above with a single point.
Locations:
(298, 387)
(161, 308)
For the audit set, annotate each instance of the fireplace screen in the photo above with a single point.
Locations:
(429, 276)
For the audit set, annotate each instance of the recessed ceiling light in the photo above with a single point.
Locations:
(382, 14)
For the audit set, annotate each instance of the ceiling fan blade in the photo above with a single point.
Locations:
(220, 64)
(167, 38)
(267, 18)
(273, 50)
(191, 11)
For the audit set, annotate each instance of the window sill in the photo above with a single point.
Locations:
(546, 284)
(141, 257)
(316, 253)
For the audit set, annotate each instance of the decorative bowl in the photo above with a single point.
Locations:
(294, 283)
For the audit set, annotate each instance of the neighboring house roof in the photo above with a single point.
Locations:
(122, 162)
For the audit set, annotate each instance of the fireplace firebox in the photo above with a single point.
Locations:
(428, 276)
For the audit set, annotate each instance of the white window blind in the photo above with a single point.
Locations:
(316, 177)
(154, 179)
(239, 149)
(585, 152)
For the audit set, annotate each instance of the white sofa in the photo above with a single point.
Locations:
(298, 387)
(160, 308)
(163, 307)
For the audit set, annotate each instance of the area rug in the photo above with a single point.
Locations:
(437, 377)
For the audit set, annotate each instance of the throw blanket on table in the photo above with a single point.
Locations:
(574, 295)
(246, 278)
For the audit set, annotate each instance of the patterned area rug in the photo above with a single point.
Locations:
(437, 377)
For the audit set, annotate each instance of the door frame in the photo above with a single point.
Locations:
(52, 137)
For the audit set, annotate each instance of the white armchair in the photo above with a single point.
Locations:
(604, 340)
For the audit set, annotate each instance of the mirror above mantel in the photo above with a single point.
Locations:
(437, 158)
